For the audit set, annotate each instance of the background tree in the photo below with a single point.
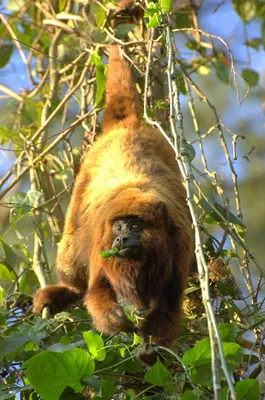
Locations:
(58, 50)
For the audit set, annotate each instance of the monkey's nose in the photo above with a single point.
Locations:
(122, 239)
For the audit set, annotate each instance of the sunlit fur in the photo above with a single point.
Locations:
(130, 171)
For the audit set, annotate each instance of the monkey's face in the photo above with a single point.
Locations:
(127, 237)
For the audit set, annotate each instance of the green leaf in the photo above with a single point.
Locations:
(199, 358)
(222, 210)
(32, 111)
(251, 77)
(189, 395)
(151, 9)
(99, 13)
(100, 76)
(191, 151)
(183, 21)
(15, 5)
(221, 71)
(28, 282)
(69, 394)
(248, 389)
(246, 9)
(122, 30)
(11, 344)
(254, 43)
(5, 54)
(228, 332)
(155, 20)
(159, 375)
(180, 81)
(107, 390)
(61, 5)
(199, 355)
(50, 373)
(35, 198)
(167, 5)
(109, 253)
(10, 255)
(7, 134)
(6, 274)
(95, 345)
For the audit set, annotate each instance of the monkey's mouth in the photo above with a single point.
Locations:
(128, 252)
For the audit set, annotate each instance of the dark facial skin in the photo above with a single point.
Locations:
(127, 237)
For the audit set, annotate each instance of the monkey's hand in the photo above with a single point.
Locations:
(56, 297)
(161, 325)
(114, 321)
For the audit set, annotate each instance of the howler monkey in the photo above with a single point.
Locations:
(128, 195)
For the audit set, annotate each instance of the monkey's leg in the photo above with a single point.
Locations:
(163, 321)
(107, 314)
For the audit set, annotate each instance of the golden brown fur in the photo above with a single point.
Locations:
(130, 171)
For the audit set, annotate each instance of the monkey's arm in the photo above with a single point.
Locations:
(101, 303)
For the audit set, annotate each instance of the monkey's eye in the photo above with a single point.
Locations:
(117, 227)
(135, 227)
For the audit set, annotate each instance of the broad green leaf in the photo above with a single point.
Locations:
(248, 389)
(180, 81)
(61, 5)
(95, 345)
(99, 13)
(15, 5)
(199, 358)
(254, 43)
(233, 354)
(151, 9)
(50, 373)
(107, 390)
(167, 5)
(200, 354)
(228, 332)
(191, 151)
(159, 375)
(28, 282)
(35, 198)
(228, 253)
(32, 111)
(7, 134)
(260, 9)
(222, 210)
(69, 394)
(155, 20)
(251, 77)
(122, 30)
(10, 255)
(189, 395)
(5, 54)
(246, 9)
(221, 71)
(183, 21)
(6, 274)
(12, 343)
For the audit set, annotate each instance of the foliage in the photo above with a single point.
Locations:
(63, 48)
